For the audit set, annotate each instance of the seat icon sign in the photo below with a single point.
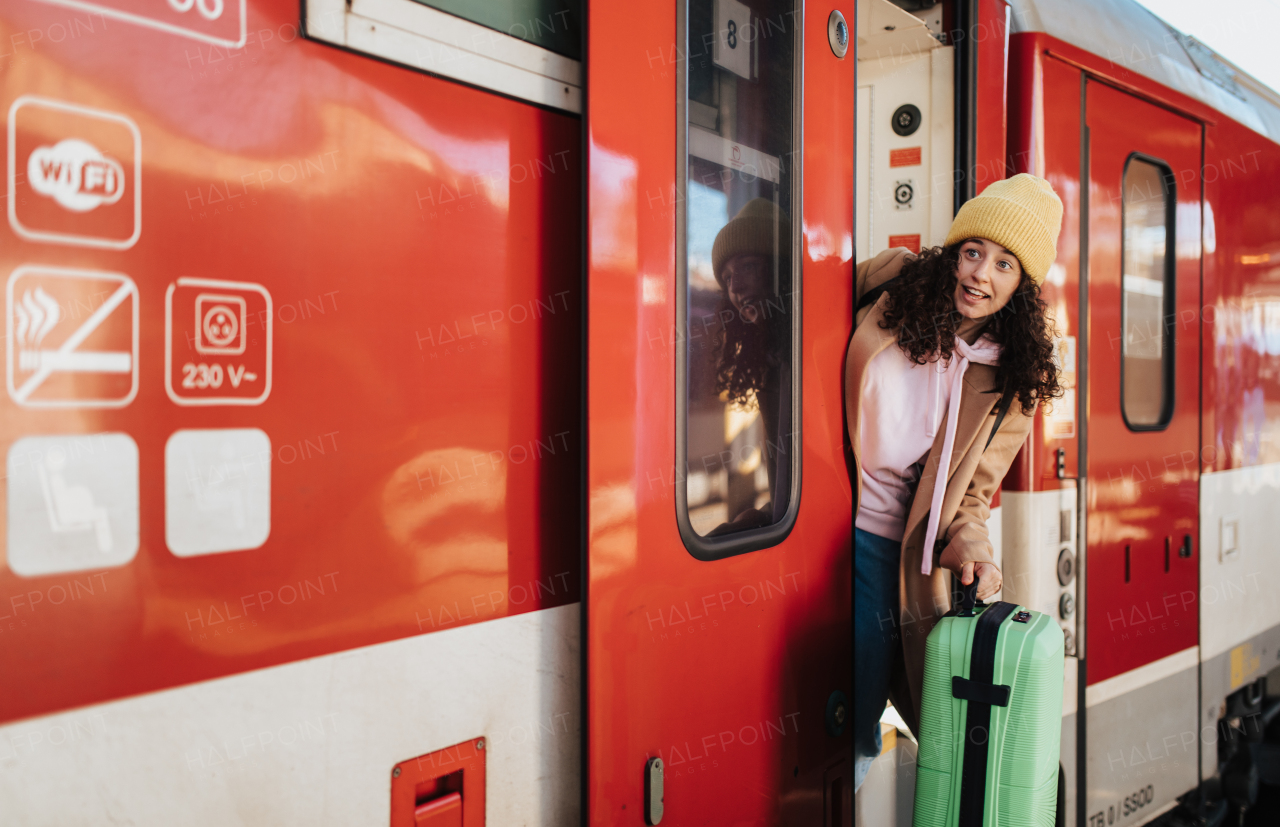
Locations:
(220, 324)
(72, 503)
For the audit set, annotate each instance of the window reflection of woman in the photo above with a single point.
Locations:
(752, 342)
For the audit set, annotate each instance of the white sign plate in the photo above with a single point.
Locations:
(220, 22)
(217, 490)
(751, 163)
(734, 38)
(73, 503)
(81, 174)
(217, 348)
(71, 337)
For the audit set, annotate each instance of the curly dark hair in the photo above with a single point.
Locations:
(922, 309)
(746, 352)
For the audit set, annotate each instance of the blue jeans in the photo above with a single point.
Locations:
(875, 640)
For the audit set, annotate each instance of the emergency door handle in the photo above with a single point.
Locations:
(445, 811)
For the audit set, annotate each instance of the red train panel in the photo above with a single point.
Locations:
(1242, 368)
(398, 257)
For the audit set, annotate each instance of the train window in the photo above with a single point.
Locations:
(739, 274)
(551, 24)
(527, 49)
(1146, 373)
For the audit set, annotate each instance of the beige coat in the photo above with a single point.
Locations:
(973, 478)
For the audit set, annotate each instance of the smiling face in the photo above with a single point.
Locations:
(746, 279)
(987, 276)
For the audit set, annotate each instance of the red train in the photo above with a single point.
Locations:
(375, 452)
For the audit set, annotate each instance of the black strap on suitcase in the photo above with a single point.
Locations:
(981, 695)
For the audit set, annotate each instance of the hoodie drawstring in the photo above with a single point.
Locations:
(984, 352)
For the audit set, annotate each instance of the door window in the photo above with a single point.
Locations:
(739, 277)
(1147, 289)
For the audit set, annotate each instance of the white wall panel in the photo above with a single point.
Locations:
(1239, 590)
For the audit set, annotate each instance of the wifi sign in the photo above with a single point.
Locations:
(76, 175)
(83, 169)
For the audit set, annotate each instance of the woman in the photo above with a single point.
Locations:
(957, 336)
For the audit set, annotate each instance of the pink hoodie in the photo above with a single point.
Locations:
(902, 407)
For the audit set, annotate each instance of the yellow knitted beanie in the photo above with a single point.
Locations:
(750, 233)
(1022, 214)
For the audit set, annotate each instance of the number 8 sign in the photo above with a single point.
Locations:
(217, 342)
(734, 37)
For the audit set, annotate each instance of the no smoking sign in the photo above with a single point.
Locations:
(217, 342)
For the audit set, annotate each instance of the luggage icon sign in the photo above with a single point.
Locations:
(217, 342)
(72, 338)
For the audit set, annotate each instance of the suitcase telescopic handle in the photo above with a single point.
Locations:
(969, 596)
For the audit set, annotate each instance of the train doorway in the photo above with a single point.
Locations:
(720, 142)
(1143, 462)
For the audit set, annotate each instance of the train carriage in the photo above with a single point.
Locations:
(375, 451)
(1123, 514)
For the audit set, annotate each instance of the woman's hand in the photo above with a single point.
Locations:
(989, 578)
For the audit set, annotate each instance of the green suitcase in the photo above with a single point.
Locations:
(990, 718)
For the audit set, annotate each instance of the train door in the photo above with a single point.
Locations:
(720, 141)
(1144, 248)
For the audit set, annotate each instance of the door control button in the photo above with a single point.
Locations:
(903, 193)
(838, 34)
(837, 713)
(906, 119)
(1066, 567)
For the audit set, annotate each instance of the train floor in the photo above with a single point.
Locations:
(887, 795)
